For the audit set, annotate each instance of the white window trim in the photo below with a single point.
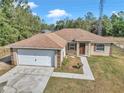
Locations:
(72, 46)
(96, 46)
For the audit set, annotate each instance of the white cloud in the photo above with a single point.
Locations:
(32, 5)
(57, 13)
(114, 12)
(35, 14)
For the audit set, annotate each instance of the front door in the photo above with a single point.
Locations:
(82, 48)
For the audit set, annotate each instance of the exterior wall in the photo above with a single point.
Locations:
(14, 56)
(89, 49)
(106, 52)
(78, 54)
(55, 60)
(63, 54)
(58, 53)
(86, 49)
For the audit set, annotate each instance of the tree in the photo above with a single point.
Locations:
(89, 21)
(107, 26)
(118, 24)
(59, 25)
(17, 21)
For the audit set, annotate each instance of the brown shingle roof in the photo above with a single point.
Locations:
(47, 40)
(58, 39)
(81, 35)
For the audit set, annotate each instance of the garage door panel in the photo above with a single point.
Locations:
(36, 57)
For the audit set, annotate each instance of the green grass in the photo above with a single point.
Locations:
(108, 72)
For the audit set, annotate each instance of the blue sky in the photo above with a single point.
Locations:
(53, 10)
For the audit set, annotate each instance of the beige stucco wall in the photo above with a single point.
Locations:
(14, 56)
(63, 54)
(77, 49)
(87, 49)
(106, 52)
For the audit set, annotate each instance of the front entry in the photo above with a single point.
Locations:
(82, 48)
(71, 48)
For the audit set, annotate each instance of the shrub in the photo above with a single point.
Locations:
(65, 61)
(79, 65)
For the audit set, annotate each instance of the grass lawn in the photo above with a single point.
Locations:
(108, 73)
(70, 65)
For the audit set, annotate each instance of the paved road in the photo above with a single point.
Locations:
(26, 79)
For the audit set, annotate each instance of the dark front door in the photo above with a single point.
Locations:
(82, 49)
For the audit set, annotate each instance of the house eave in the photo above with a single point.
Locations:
(36, 48)
(101, 42)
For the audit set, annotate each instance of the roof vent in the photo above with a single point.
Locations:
(45, 31)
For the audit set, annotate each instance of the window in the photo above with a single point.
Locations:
(99, 47)
(71, 46)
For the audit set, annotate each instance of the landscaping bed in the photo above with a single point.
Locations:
(71, 64)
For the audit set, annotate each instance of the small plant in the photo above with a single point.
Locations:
(65, 61)
(79, 65)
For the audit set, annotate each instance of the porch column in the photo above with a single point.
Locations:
(89, 48)
(77, 49)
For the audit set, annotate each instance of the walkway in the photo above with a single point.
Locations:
(87, 75)
(86, 68)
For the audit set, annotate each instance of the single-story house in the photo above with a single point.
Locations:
(49, 49)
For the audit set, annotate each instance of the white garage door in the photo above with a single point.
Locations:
(36, 57)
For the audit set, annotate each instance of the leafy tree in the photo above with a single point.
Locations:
(17, 21)
(118, 24)
(111, 26)
(107, 26)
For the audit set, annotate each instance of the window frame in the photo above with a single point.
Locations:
(99, 47)
(71, 46)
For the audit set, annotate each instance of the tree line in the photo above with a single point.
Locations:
(111, 26)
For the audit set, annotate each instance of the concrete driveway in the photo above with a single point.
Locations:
(26, 79)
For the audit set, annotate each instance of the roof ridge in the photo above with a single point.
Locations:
(59, 36)
(91, 33)
(52, 39)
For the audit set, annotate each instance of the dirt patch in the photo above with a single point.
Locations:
(4, 52)
(72, 65)
(4, 67)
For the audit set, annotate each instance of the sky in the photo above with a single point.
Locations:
(53, 10)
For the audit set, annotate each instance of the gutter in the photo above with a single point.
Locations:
(37, 48)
